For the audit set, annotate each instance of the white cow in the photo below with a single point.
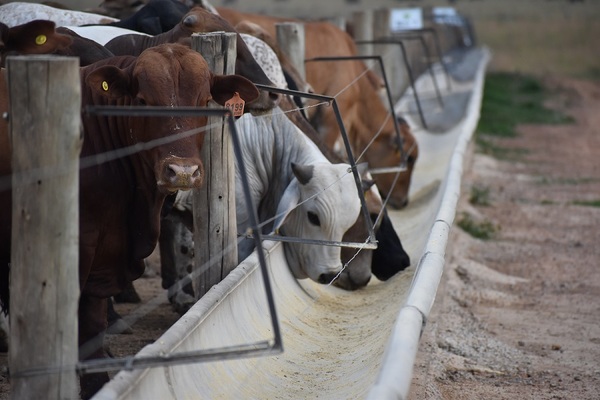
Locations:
(17, 13)
(296, 187)
(311, 197)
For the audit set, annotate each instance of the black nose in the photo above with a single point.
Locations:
(326, 278)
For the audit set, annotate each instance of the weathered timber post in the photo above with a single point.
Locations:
(215, 228)
(362, 22)
(290, 39)
(45, 129)
(391, 54)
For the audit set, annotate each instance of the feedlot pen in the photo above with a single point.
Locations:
(336, 344)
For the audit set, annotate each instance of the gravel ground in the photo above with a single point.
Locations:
(518, 316)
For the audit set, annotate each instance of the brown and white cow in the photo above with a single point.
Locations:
(121, 200)
(366, 119)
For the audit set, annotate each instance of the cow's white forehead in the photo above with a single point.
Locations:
(334, 184)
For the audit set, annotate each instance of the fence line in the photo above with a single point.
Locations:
(99, 159)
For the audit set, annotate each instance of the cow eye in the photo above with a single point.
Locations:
(313, 218)
(141, 101)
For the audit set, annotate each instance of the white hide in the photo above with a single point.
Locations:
(18, 13)
(331, 193)
(266, 58)
(103, 34)
(270, 144)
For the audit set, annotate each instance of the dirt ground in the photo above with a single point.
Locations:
(518, 316)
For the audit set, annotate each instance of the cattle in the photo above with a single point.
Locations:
(368, 123)
(297, 192)
(176, 245)
(155, 17)
(390, 257)
(125, 8)
(35, 37)
(18, 13)
(42, 37)
(197, 20)
(121, 200)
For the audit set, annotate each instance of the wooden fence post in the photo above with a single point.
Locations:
(290, 39)
(45, 129)
(391, 54)
(362, 22)
(215, 227)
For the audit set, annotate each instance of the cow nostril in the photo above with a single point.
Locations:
(196, 172)
(170, 172)
(326, 278)
(273, 96)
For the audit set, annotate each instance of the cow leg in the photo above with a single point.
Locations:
(176, 255)
(168, 271)
(128, 295)
(92, 326)
(3, 333)
(116, 324)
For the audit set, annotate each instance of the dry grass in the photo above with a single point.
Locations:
(540, 37)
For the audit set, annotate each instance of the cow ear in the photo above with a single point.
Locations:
(289, 201)
(36, 37)
(224, 86)
(303, 173)
(362, 168)
(111, 82)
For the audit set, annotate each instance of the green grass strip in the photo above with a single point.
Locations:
(510, 99)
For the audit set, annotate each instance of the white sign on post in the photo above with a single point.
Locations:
(403, 19)
(446, 15)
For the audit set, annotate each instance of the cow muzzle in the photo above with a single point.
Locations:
(180, 174)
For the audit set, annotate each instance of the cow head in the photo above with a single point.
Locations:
(320, 203)
(201, 20)
(357, 263)
(35, 37)
(387, 151)
(168, 75)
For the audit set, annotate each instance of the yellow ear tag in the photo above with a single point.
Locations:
(105, 86)
(236, 105)
(40, 39)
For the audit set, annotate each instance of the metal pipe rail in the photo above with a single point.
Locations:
(396, 372)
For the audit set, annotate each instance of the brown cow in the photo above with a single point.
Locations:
(42, 37)
(200, 20)
(35, 37)
(362, 110)
(121, 200)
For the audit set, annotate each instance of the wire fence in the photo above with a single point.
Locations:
(269, 346)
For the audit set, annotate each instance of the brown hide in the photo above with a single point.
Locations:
(121, 200)
(363, 112)
(35, 37)
(199, 20)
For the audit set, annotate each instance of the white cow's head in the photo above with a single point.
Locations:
(320, 203)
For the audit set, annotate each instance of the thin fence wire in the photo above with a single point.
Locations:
(131, 362)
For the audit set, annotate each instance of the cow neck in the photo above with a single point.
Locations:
(106, 134)
(278, 143)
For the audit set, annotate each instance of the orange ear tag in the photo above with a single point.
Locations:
(235, 105)
(40, 39)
